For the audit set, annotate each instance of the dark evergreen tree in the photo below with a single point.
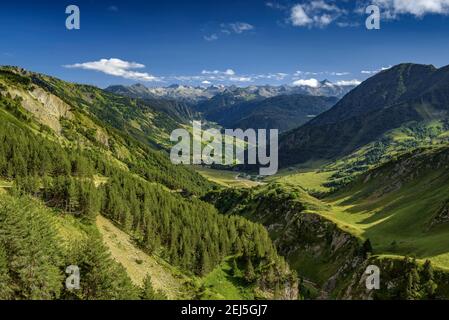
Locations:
(250, 274)
(148, 292)
(6, 291)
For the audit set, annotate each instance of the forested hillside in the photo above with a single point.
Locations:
(71, 152)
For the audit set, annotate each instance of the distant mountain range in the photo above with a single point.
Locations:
(275, 107)
(195, 95)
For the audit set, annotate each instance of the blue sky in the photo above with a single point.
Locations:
(244, 42)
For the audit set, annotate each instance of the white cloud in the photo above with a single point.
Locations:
(113, 8)
(322, 13)
(348, 82)
(317, 13)
(313, 83)
(299, 16)
(211, 37)
(348, 24)
(240, 27)
(116, 67)
(374, 71)
(339, 74)
(323, 20)
(321, 73)
(228, 72)
(275, 5)
(213, 76)
(229, 29)
(236, 28)
(419, 8)
(241, 79)
(272, 76)
(322, 5)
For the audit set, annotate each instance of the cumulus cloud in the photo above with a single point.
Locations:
(418, 8)
(299, 16)
(241, 79)
(339, 74)
(316, 13)
(279, 76)
(374, 71)
(207, 77)
(369, 71)
(322, 13)
(116, 67)
(313, 83)
(348, 82)
(300, 73)
(228, 72)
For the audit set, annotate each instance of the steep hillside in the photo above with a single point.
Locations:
(86, 159)
(148, 123)
(404, 95)
(79, 116)
(324, 255)
(394, 212)
(402, 206)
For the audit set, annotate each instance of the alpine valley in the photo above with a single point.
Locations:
(85, 180)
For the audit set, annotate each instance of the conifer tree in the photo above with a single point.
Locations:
(148, 292)
(5, 280)
(429, 285)
(250, 274)
(101, 277)
(235, 268)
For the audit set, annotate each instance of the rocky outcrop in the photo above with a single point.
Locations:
(310, 238)
(442, 215)
(399, 279)
(47, 108)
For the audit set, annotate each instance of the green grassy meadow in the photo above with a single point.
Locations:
(226, 178)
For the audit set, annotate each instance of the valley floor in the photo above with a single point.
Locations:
(227, 178)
